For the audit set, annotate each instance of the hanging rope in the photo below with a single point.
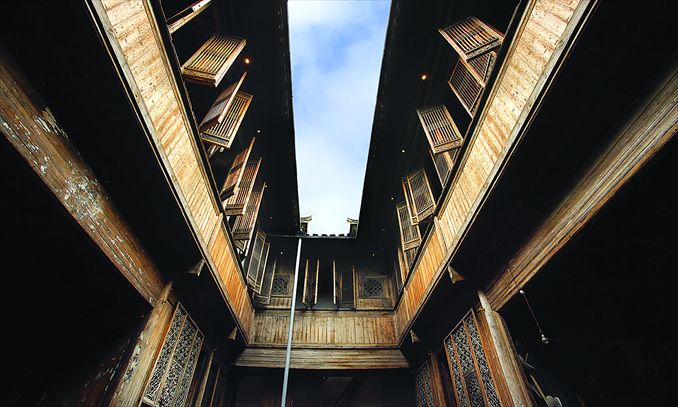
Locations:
(544, 339)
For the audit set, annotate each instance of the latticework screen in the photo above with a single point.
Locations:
(222, 134)
(211, 62)
(471, 37)
(423, 389)
(441, 131)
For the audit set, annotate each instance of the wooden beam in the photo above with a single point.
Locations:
(645, 132)
(189, 13)
(323, 359)
(30, 127)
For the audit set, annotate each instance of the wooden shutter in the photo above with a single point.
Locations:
(235, 173)
(311, 285)
(466, 86)
(210, 63)
(244, 224)
(409, 233)
(473, 383)
(256, 258)
(441, 131)
(173, 370)
(344, 285)
(236, 204)
(444, 163)
(264, 296)
(471, 37)
(220, 106)
(418, 195)
(223, 133)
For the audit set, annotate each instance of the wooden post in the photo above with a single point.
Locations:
(513, 374)
(203, 382)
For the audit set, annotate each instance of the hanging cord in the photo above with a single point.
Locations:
(544, 339)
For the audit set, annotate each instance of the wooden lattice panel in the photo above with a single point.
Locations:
(211, 62)
(257, 262)
(444, 163)
(222, 134)
(418, 195)
(471, 37)
(220, 106)
(244, 224)
(409, 233)
(236, 204)
(441, 131)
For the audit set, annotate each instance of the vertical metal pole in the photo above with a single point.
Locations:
(289, 332)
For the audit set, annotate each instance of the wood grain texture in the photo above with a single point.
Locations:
(322, 359)
(138, 50)
(531, 62)
(30, 127)
(324, 329)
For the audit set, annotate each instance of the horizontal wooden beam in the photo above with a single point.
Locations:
(323, 359)
(645, 132)
(189, 13)
(30, 127)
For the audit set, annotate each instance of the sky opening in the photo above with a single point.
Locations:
(336, 51)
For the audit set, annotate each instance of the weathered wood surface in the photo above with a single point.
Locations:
(319, 328)
(138, 50)
(645, 132)
(357, 359)
(30, 127)
(530, 63)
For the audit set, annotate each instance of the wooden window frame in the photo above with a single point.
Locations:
(222, 134)
(235, 173)
(444, 163)
(471, 37)
(410, 237)
(237, 203)
(223, 48)
(339, 300)
(244, 224)
(264, 296)
(418, 195)
(220, 106)
(257, 261)
(361, 285)
(440, 129)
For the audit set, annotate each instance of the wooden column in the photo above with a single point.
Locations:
(516, 382)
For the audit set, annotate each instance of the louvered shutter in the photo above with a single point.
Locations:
(264, 296)
(409, 233)
(441, 131)
(473, 383)
(471, 37)
(210, 63)
(244, 224)
(444, 162)
(418, 195)
(311, 285)
(220, 106)
(257, 257)
(236, 204)
(235, 173)
(222, 134)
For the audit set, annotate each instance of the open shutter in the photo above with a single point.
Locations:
(173, 371)
(264, 296)
(418, 195)
(220, 106)
(236, 204)
(244, 224)
(409, 233)
(256, 258)
(444, 162)
(441, 132)
(235, 173)
(311, 285)
(210, 63)
(466, 86)
(223, 133)
(337, 284)
(471, 37)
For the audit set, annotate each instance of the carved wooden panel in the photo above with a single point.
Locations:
(222, 134)
(423, 388)
(471, 37)
(441, 131)
(173, 370)
(418, 195)
(471, 374)
(211, 62)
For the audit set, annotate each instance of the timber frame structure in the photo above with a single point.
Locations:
(150, 210)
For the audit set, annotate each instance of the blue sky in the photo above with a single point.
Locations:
(336, 51)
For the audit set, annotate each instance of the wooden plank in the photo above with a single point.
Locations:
(323, 359)
(189, 13)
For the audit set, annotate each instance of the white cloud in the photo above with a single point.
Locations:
(336, 51)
